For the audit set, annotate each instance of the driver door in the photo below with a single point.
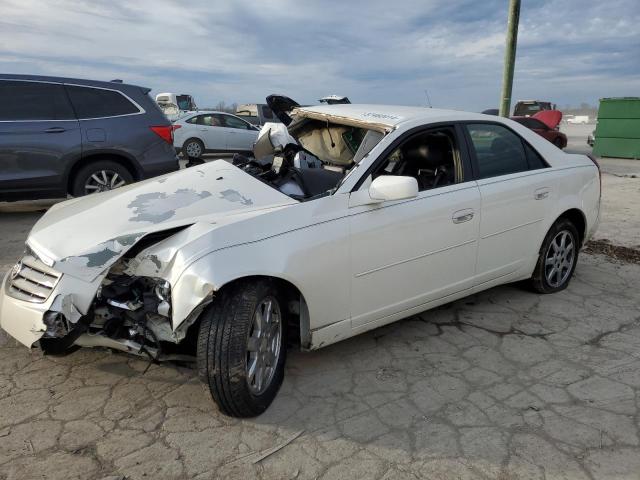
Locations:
(408, 253)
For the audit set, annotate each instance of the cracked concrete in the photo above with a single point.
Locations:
(504, 384)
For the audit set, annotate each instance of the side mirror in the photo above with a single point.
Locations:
(386, 188)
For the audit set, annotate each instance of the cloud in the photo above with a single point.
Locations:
(377, 51)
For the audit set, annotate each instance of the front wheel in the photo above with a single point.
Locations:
(559, 143)
(241, 347)
(557, 258)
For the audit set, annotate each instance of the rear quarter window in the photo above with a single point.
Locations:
(90, 102)
(22, 100)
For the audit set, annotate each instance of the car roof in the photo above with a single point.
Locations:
(194, 113)
(75, 81)
(389, 116)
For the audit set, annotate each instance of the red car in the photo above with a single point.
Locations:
(545, 124)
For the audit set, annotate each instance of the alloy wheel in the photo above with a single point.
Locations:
(264, 344)
(193, 149)
(102, 181)
(560, 258)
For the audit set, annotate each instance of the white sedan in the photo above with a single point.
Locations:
(203, 132)
(405, 209)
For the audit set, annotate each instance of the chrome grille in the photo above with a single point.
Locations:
(31, 280)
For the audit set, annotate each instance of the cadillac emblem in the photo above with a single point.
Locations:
(15, 271)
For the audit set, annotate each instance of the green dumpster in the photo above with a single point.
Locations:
(618, 131)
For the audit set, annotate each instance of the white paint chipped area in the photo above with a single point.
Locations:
(505, 384)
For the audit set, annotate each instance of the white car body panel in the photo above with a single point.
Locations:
(214, 138)
(356, 266)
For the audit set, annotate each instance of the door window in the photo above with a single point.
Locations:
(207, 120)
(99, 103)
(431, 157)
(498, 150)
(534, 159)
(34, 101)
(233, 122)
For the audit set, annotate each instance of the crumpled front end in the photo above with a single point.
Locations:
(125, 303)
(36, 301)
(117, 309)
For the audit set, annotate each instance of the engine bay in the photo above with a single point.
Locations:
(309, 163)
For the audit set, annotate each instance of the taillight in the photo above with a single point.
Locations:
(165, 132)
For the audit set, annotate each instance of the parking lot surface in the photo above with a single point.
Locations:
(505, 384)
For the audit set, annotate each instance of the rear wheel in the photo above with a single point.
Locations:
(557, 258)
(241, 348)
(100, 176)
(193, 148)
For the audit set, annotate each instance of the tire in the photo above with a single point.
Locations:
(100, 176)
(552, 256)
(192, 148)
(228, 348)
(558, 143)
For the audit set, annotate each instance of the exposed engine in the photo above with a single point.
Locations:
(285, 165)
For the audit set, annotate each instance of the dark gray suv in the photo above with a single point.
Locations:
(62, 136)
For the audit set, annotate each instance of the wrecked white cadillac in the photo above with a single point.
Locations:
(354, 217)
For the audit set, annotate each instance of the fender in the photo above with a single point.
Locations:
(314, 259)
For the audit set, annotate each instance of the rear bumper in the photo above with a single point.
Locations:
(157, 169)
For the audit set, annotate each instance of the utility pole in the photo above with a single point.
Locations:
(510, 57)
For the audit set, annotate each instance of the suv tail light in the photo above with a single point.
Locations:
(165, 132)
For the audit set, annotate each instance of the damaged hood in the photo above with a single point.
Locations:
(281, 106)
(84, 236)
(551, 118)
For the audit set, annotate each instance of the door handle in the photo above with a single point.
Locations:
(55, 130)
(541, 193)
(462, 216)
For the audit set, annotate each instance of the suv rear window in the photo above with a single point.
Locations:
(98, 103)
(33, 101)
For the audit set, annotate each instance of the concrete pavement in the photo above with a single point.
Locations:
(505, 384)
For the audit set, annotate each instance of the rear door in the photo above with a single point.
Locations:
(39, 136)
(517, 189)
(241, 135)
(100, 112)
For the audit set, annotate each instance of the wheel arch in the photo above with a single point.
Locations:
(198, 139)
(579, 220)
(121, 158)
(299, 321)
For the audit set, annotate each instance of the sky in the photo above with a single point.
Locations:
(374, 51)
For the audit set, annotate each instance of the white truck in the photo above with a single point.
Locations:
(173, 105)
(578, 119)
